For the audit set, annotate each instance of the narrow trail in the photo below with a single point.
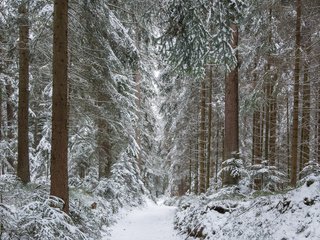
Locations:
(153, 222)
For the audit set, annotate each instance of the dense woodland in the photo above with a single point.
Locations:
(103, 102)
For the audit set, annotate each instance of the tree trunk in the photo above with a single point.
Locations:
(202, 137)
(23, 171)
(231, 135)
(318, 153)
(288, 137)
(305, 130)
(256, 132)
(2, 162)
(209, 160)
(273, 123)
(295, 123)
(10, 120)
(137, 78)
(104, 155)
(59, 145)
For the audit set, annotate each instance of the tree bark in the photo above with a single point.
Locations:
(202, 138)
(59, 145)
(273, 123)
(256, 132)
(231, 135)
(295, 123)
(137, 78)
(10, 120)
(305, 130)
(23, 171)
(209, 160)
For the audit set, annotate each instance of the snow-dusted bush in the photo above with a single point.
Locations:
(271, 178)
(40, 219)
(125, 185)
(310, 170)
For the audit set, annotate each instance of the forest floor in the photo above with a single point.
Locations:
(151, 222)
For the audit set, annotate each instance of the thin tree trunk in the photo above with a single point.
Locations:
(10, 120)
(231, 128)
(273, 123)
(217, 150)
(295, 123)
(318, 153)
(305, 130)
(23, 171)
(137, 78)
(1, 130)
(288, 137)
(256, 137)
(202, 138)
(59, 145)
(209, 160)
(104, 155)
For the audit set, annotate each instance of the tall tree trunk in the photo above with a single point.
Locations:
(273, 123)
(209, 160)
(231, 128)
(295, 123)
(59, 145)
(288, 136)
(202, 137)
(1, 130)
(305, 130)
(23, 171)
(318, 152)
(137, 78)
(104, 155)
(10, 120)
(256, 132)
(267, 118)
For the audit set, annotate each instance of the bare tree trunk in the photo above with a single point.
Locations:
(137, 77)
(202, 137)
(256, 132)
(288, 137)
(273, 123)
(104, 155)
(305, 130)
(209, 160)
(318, 153)
(23, 171)
(295, 123)
(231, 135)
(1, 130)
(59, 145)
(10, 120)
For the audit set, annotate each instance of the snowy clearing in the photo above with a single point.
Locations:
(153, 222)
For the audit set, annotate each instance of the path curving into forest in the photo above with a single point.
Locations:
(153, 222)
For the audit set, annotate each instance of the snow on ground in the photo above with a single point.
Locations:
(294, 215)
(152, 222)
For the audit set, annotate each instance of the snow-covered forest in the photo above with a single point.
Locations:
(159, 119)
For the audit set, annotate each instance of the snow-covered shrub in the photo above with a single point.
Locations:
(125, 185)
(45, 220)
(234, 166)
(310, 170)
(40, 219)
(271, 178)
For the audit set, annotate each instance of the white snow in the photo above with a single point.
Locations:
(152, 222)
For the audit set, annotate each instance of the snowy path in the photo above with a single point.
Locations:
(153, 222)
